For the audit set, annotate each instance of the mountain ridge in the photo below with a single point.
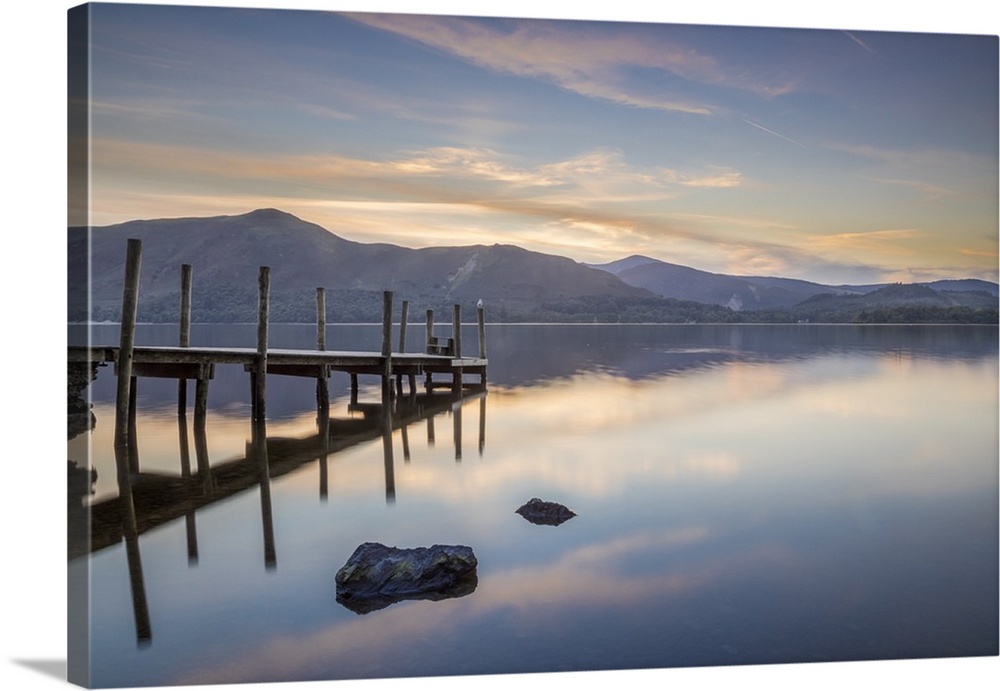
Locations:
(741, 292)
(516, 283)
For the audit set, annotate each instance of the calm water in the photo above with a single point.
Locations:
(744, 495)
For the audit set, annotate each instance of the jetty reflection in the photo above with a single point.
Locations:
(159, 498)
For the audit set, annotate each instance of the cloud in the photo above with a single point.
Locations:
(583, 58)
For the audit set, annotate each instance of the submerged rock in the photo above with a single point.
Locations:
(545, 512)
(376, 576)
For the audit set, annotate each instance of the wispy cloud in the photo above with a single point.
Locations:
(578, 58)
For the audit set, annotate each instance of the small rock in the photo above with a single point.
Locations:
(376, 576)
(545, 512)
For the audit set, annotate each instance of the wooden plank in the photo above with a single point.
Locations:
(174, 370)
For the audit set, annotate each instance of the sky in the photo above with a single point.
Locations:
(840, 156)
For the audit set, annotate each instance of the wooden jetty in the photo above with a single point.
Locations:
(441, 355)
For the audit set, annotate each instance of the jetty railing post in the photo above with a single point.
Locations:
(481, 320)
(456, 381)
(259, 376)
(320, 319)
(402, 325)
(429, 330)
(322, 386)
(123, 401)
(402, 342)
(386, 345)
(185, 333)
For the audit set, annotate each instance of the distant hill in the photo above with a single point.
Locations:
(227, 251)
(751, 293)
(516, 284)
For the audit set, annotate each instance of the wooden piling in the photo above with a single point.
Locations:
(184, 339)
(263, 309)
(320, 319)
(402, 325)
(481, 320)
(130, 301)
(322, 385)
(386, 345)
(133, 436)
(124, 436)
(430, 330)
(456, 377)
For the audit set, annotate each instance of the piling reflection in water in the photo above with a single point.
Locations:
(158, 499)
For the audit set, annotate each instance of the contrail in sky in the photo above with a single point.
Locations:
(861, 43)
(761, 127)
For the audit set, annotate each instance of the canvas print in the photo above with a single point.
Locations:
(414, 345)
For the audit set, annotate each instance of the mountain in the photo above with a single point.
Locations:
(752, 293)
(226, 252)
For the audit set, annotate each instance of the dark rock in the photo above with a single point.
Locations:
(376, 576)
(545, 512)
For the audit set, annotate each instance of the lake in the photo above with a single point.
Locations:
(744, 495)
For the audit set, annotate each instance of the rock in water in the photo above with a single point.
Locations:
(376, 576)
(545, 512)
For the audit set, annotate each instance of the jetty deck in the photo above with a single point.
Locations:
(172, 361)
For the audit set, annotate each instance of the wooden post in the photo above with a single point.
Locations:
(130, 301)
(133, 437)
(123, 436)
(185, 332)
(322, 385)
(263, 308)
(456, 377)
(457, 330)
(201, 453)
(402, 342)
(320, 319)
(429, 330)
(402, 325)
(386, 345)
(481, 319)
